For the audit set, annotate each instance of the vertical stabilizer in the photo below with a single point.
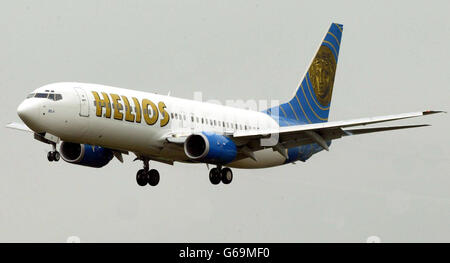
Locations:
(312, 99)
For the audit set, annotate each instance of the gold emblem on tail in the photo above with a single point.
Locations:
(321, 73)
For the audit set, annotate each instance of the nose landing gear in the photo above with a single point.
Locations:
(53, 155)
(217, 175)
(146, 176)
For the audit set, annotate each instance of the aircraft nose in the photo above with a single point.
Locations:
(28, 112)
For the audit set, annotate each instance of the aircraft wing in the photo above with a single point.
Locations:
(320, 133)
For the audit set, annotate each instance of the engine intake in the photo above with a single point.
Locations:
(210, 148)
(85, 154)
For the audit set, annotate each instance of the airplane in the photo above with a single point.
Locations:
(94, 123)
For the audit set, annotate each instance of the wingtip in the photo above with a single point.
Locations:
(428, 112)
(418, 125)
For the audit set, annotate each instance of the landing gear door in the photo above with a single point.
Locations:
(84, 104)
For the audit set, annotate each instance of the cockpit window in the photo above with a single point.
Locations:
(50, 96)
(41, 95)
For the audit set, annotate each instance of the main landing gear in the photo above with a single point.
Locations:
(146, 176)
(53, 155)
(219, 174)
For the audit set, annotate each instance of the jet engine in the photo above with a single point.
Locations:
(209, 147)
(85, 154)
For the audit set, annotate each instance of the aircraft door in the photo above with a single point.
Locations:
(84, 103)
(184, 121)
(191, 120)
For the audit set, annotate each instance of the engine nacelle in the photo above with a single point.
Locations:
(85, 154)
(210, 148)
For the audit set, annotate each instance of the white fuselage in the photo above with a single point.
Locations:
(139, 122)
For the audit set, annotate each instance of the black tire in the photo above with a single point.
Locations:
(56, 156)
(153, 177)
(227, 175)
(141, 177)
(214, 176)
(50, 157)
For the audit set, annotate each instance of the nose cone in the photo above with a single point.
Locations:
(28, 111)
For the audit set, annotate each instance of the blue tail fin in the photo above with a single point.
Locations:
(311, 101)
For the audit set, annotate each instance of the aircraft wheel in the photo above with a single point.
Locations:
(227, 175)
(153, 177)
(50, 157)
(56, 156)
(141, 177)
(214, 176)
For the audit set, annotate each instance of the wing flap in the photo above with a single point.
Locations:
(380, 129)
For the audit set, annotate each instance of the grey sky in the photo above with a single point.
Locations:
(394, 58)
